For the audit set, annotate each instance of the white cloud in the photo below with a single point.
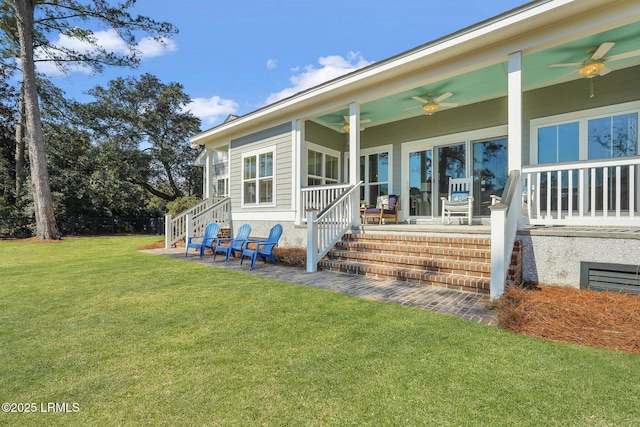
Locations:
(148, 47)
(272, 63)
(331, 66)
(211, 110)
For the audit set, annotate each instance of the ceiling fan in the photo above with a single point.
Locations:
(345, 125)
(594, 65)
(431, 105)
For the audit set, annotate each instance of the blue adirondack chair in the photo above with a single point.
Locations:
(206, 241)
(263, 249)
(235, 244)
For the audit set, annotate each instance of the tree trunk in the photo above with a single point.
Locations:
(20, 147)
(43, 203)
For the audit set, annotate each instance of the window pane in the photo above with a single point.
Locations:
(250, 192)
(266, 165)
(315, 163)
(600, 138)
(451, 164)
(568, 142)
(420, 169)
(489, 172)
(331, 167)
(266, 190)
(547, 144)
(313, 181)
(249, 168)
(625, 135)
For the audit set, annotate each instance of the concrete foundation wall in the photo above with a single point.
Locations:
(555, 259)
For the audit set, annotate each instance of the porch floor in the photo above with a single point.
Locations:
(466, 305)
(485, 229)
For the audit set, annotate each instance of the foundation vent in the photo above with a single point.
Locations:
(610, 277)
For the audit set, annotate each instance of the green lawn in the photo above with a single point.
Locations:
(128, 338)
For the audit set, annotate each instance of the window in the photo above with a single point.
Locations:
(221, 186)
(558, 143)
(258, 178)
(613, 136)
(600, 133)
(322, 167)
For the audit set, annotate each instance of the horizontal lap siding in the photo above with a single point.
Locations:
(280, 137)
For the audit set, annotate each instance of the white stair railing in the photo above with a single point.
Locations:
(319, 197)
(505, 221)
(326, 228)
(195, 219)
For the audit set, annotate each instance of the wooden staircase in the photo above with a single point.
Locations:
(458, 262)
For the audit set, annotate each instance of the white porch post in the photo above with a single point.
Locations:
(297, 136)
(354, 156)
(514, 151)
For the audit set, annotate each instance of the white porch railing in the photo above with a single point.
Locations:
(505, 221)
(324, 230)
(195, 219)
(599, 192)
(319, 197)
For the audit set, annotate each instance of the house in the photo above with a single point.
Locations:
(540, 102)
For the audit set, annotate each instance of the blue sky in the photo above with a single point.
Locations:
(233, 57)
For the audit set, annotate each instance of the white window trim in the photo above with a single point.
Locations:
(582, 117)
(257, 153)
(324, 151)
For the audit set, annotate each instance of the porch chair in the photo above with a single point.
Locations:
(459, 201)
(234, 244)
(264, 248)
(386, 207)
(201, 242)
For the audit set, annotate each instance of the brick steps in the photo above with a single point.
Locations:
(461, 263)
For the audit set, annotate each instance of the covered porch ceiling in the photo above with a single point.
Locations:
(490, 82)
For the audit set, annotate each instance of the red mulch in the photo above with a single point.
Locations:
(157, 245)
(599, 319)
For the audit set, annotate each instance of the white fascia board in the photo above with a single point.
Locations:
(529, 19)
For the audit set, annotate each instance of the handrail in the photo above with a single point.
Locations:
(318, 197)
(195, 219)
(505, 222)
(327, 228)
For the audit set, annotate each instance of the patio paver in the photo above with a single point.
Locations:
(457, 303)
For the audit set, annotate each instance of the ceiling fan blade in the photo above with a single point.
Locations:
(412, 108)
(564, 76)
(604, 71)
(346, 120)
(420, 100)
(602, 50)
(625, 55)
(566, 64)
(442, 97)
(447, 104)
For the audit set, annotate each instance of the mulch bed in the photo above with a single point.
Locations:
(599, 319)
